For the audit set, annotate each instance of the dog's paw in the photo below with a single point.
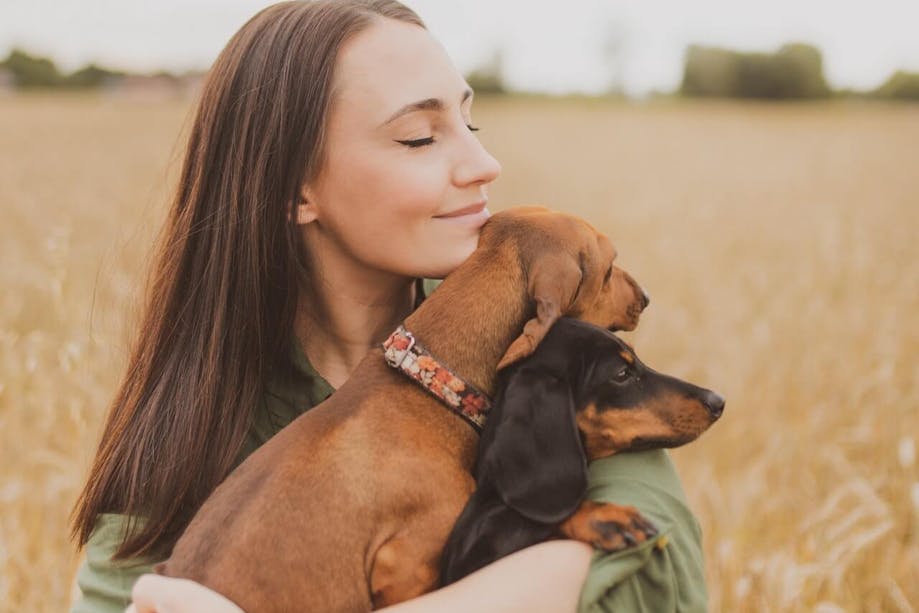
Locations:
(618, 527)
(608, 526)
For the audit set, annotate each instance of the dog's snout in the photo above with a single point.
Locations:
(714, 403)
(643, 297)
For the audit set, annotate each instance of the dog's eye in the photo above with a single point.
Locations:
(623, 374)
(609, 275)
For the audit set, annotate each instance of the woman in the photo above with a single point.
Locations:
(331, 152)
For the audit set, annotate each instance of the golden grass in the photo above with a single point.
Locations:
(778, 243)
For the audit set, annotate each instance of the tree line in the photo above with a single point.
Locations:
(794, 71)
(33, 72)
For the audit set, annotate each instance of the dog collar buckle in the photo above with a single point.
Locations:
(403, 352)
(394, 354)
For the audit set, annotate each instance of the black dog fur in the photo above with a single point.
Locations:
(531, 468)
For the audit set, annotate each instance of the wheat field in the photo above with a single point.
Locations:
(779, 244)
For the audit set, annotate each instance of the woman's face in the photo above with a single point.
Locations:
(392, 174)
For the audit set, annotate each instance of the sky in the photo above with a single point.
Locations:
(572, 46)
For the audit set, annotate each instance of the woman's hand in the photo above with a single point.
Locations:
(156, 594)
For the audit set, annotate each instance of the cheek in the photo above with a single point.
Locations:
(371, 198)
(393, 197)
(385, 220)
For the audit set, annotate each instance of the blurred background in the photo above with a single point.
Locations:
(754, 163)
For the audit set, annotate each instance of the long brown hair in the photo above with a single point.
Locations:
(223, 289)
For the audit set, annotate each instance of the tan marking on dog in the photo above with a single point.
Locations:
(610, 430)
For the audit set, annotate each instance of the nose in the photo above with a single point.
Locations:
(643, 297)
(714, 403)
(476, 164)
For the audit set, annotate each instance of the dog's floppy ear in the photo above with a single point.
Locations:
(554, 280)
(534, 457)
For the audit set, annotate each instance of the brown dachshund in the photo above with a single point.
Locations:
(348, 507)
(582, 395)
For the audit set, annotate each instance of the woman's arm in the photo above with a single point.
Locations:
(545, 577)
(554, 573)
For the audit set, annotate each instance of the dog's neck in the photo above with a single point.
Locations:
(472, 317)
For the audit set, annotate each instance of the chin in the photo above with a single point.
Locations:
(436, 260)
(443, 267)
(460, 258)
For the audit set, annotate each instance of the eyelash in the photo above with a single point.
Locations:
(421, 142)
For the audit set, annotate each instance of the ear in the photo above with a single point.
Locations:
(535, 456)
(305, 212)
(554, 282)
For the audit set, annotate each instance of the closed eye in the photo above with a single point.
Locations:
(421, 142)
(609, 275)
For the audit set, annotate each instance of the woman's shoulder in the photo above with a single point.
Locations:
(643, 471)
(105, 584)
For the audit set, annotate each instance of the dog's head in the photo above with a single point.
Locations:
(582, 395)
(569, 270)
(624, 405)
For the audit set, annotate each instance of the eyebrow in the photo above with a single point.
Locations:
(429, 104)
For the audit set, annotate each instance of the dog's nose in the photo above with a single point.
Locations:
(645, 299)
(714, 403)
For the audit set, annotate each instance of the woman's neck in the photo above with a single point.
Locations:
(347, 309)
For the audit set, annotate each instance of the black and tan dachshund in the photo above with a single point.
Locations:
(582, 395)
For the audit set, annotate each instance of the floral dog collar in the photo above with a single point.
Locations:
(403, 352)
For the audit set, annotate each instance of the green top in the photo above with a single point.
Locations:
(654, 577)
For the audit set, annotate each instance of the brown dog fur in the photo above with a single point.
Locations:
(349, 506)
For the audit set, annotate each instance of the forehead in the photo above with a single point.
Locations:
(388, 65)
(587, 336)
(609, 344)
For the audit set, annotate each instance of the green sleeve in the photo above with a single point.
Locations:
(430, 285)
(666, 573)
(105, 586)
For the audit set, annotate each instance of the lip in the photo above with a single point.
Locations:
(472, 209)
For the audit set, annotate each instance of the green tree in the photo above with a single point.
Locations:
(92, 75)
(901, 86)
(801, 70)
(710, 71)
(29, 71)
(794, 71)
